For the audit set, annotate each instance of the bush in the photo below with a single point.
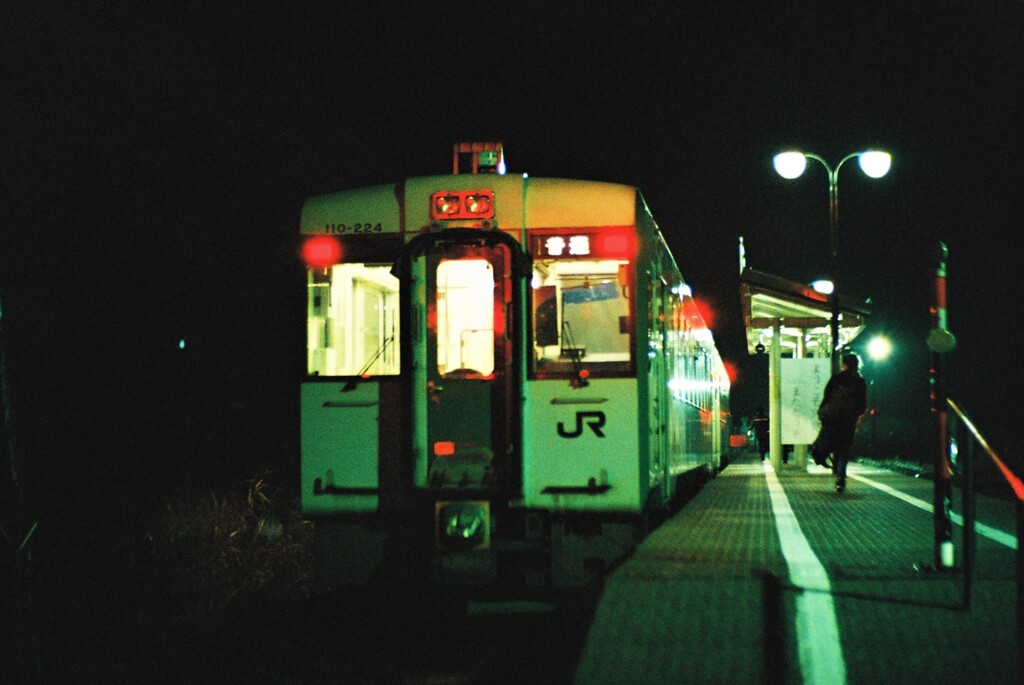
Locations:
(216, 550)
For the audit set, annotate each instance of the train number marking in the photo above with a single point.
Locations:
(594, 419)
(369, 227)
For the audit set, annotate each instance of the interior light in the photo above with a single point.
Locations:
(321, 251)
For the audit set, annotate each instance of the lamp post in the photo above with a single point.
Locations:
(791, 164)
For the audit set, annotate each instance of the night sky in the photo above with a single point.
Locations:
(155, 161)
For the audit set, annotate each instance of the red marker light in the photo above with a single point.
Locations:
(731, 371)
(444, 448)
(615, 245)
(706, 312)
(321, 251)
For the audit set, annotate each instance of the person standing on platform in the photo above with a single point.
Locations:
(842, 404)
(761, 431)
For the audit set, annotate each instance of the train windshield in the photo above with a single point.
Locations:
(352, 320)
(581, 316)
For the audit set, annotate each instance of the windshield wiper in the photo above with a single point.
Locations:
(353, 382)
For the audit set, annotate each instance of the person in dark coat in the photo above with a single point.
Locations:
(843, 403)
(761, 431)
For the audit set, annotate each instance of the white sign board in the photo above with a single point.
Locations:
(803, 382)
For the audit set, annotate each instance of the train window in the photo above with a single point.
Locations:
(465, 317)
(581, 314)
(352, 320)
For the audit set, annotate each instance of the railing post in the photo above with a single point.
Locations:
(940, 340)
(967, 494)
(1020, 585)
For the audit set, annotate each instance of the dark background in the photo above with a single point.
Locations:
(155, 161)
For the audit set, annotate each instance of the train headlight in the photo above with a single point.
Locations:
(445, 205)
(462, 204)
(478, 204)
(462, 525)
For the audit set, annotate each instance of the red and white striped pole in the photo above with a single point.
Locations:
(940, 341)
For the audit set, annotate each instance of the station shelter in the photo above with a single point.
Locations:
(791, 323)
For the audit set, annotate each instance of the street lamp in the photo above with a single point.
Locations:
(791, 164)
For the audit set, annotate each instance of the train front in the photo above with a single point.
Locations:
(472, 411)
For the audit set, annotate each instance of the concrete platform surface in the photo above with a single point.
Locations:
(768, 577)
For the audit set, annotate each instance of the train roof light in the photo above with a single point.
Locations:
(321, 251)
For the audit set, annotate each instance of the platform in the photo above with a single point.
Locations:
(776, 578)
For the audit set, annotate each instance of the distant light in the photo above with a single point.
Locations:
(875, 163)
(823, 286)
(879, 348)
(790, 164)
(181, 344)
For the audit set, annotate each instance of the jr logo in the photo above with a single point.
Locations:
(594, 419)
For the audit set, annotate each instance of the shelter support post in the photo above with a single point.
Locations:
(775, 397)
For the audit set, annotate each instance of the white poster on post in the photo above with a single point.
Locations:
(803, 382)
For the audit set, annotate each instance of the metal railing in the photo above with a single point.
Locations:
(965, 468)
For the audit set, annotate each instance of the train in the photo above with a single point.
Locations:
(508, 381)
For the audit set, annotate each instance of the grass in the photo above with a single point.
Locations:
(219, 548)
(194, 590)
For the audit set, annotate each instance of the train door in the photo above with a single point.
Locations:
(465, 290)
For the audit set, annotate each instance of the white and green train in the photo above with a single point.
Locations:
(507, 382)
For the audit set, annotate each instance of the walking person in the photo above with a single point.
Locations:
(842, 404)
(761, 431)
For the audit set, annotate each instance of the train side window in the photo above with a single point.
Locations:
(581, 314)
(352, 320)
